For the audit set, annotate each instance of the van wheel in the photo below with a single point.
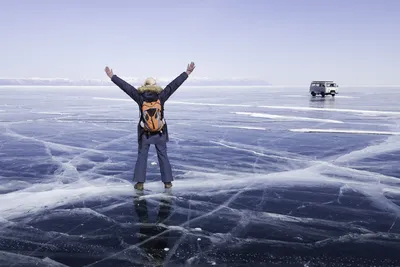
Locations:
(322, 94)
(332, 94)
(313, 94)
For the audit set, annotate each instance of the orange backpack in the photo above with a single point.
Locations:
(152, 116)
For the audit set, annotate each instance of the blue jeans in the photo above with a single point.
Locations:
(143, 152)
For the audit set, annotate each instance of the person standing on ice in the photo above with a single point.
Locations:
(152, 127)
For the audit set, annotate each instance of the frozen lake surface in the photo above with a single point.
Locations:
(262, 176)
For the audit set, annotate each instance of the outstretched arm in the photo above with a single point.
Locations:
(126, 87)
(172, 86)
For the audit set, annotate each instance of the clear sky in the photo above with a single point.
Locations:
(288, 42)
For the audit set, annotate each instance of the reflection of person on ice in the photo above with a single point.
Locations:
(152, 127)
(154, 236)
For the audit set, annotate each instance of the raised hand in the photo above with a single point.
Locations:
(109, 72)
(190, 68)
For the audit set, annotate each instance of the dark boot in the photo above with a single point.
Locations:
(139, 186)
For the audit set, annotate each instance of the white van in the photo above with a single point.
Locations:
(323, 88)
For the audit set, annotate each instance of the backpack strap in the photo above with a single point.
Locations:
(162, 109)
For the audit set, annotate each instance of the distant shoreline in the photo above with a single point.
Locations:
(112, 86)
(214, 86)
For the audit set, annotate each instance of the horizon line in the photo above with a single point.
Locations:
(206, 85)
